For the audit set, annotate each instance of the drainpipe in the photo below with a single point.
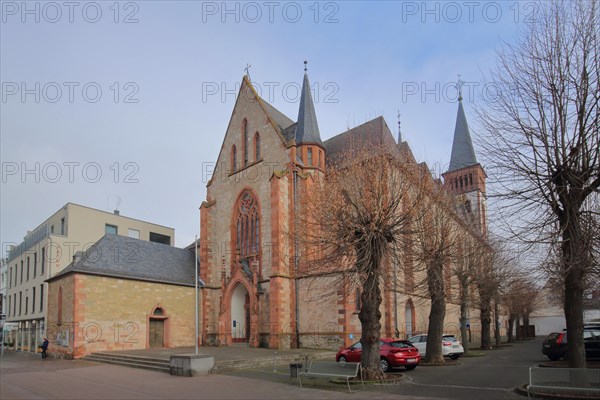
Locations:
(296, 256)
(196, 287)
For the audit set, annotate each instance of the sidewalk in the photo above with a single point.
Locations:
(26, 376)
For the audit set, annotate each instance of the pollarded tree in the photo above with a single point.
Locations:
(436, 237)
(469, 256)
(543, 141)
(351, 223)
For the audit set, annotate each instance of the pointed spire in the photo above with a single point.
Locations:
(307, 129)
(463, 154)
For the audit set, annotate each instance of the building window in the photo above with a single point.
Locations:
(34, 264)
(245, 141)
(158, 311)
(470, 179)
(51, 228)
(26, 304)
(256, 146)
(20, 301)
(22, 268)
(43, 259)
(62, 226)
(27, 268)
(110, 229)
(14, 304)
(320, 159)
(247, 225)
(10, 277)
(158, 238)
(8, 306)
(41, 297)
(33, 301)
(310, 158)
(233, 158)
(59, 307)
(357, 304)
(133, 233)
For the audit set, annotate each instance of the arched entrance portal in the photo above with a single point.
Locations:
(240, 314)
(409, 317)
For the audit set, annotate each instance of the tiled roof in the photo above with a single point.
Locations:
(123, 257)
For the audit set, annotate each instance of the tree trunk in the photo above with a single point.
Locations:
(518, 332)
(574, 262)
(497, 323)
(370, 318)
(486, 321)
(526, 325)
(464, 306)
(511, 328)
(435, 283)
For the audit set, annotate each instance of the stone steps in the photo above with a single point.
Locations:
(230, 365)
(163, 365)
(155, 364)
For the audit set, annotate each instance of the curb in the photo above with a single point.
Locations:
(522, 390)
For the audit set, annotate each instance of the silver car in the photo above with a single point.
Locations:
(451, 346)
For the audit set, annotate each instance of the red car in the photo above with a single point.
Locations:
(394, 353)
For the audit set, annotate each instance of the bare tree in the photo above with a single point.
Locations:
(436, 239)
(352, 222)
(487, 283)
(468, 257)
(543, 141)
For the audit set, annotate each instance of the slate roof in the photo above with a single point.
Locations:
(307, 129)
(127, 258)
(277, 116)
(463, 154)
(361, 140)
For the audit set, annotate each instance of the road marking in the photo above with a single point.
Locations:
(460, 387)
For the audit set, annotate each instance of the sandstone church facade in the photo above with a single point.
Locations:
(253, 292)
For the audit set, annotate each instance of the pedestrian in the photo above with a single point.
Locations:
(44, 348)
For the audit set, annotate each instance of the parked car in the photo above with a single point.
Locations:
(555, 344)
(394, 353)
(451, 346)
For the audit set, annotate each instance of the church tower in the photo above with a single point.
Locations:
(310, 150)
(465, 177)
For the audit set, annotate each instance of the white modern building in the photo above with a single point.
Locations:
(48, 249)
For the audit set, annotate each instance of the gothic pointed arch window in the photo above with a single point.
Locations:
(245, 141)
(233, 158)
(256, 146)
(247, 225)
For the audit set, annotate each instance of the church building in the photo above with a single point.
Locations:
(248, 259)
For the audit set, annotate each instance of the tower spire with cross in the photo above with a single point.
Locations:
(459, 85)
(247, 70)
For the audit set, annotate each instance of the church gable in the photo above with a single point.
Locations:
(255, 133)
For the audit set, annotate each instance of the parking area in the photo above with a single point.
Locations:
(491, 376)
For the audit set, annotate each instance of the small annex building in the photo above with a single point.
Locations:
(122, 294)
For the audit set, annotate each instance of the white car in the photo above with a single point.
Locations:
(451, 347)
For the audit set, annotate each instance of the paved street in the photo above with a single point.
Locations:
(493, 376)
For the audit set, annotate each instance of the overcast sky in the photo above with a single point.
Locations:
(125, 104)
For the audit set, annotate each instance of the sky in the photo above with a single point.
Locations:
(125, 104)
